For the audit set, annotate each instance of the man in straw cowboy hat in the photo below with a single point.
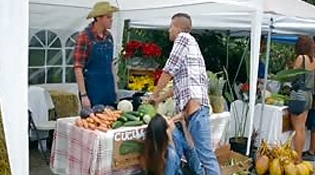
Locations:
(93, 57)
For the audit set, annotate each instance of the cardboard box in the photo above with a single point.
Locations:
(224, 155)
(286, 121)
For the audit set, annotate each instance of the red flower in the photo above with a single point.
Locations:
(244, 87)
(131, 47)
(156, 75)
(151, 50)
(136, 48)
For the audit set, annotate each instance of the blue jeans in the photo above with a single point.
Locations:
(175, 153)
(200, 130)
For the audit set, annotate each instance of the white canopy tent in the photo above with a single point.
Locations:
(291, 17)
(67, 17)
(64, 18)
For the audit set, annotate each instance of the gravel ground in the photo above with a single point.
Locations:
(38, 165)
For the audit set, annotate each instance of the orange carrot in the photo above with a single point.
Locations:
(97, 120)
(117, 115)
(89, 120)
(78, 122)
(92, 126)
(105, 122)
(104, 129)
(102, 116)
(118, 112)
(85, 123)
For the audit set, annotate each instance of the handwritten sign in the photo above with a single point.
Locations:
(128, 147)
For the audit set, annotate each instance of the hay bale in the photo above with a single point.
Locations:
(4, 160)
(66, 104)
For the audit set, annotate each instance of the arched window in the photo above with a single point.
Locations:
(45, 58)
(70, 77)
(47, 62)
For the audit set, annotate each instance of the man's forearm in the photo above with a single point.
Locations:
(80, 80)
(164, 79)
(169, 93)
(115, 78)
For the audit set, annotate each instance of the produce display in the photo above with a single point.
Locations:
(280, 160)
(99, 118)
(136, 118)
(104, 118)
(277, 100)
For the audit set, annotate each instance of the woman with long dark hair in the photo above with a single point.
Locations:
(165, 145)
(302, 90)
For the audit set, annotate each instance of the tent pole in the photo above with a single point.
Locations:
(271, 27)
(254, 55)
(227, 41)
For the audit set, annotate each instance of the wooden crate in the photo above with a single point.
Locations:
(224, 154)
(286, 121)
(140, 72)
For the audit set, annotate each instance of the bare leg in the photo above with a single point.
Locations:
(312, 145)
(298, 123)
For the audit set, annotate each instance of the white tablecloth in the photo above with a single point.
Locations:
(271, 126)
(84, 152)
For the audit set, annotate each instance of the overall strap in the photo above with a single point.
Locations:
(89, 34)
(304, 67)
(91, 39)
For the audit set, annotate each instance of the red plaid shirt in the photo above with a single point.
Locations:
(83, 45)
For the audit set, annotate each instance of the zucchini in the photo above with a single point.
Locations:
(131, 146)
(117, 124)
(146, 119)
(134, 113)
(133, 123)
(123, 119)
(131, 117)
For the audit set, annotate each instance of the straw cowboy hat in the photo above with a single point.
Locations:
(100, 9)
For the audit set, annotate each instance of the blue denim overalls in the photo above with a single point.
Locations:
(98, 76)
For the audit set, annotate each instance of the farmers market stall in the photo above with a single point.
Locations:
(108, 151)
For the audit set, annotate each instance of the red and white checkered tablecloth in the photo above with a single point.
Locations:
(77, 151)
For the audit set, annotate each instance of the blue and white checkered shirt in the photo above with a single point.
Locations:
(187, 66)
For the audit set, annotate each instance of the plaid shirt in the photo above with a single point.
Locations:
(83, 45)
(187, 66)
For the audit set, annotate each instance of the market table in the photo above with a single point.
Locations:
(275, 123)
(273, 128)
(79, 151)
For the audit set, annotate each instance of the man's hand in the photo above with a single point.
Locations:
(154, 97)
(85, 102)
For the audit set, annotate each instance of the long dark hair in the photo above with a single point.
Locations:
(305, 46)
(156, 142)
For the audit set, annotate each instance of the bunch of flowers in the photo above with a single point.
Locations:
(147, 50)
(141, 83)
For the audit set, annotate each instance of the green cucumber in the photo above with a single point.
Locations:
(131, 117)
(133, 123)
(117, 124)
(146, 119)
(123, 119)
(134, 113)
(131, 146)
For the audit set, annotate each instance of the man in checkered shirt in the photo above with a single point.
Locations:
(186, 67)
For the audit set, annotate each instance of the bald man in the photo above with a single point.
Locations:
(186, 67)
